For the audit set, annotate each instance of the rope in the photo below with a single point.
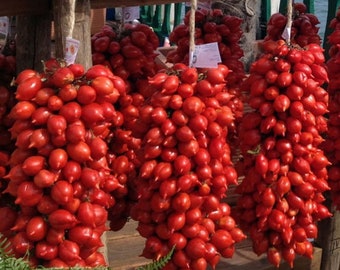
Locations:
(71, 18)
(192, 30)
(289, 19)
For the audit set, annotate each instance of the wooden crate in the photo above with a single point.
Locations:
(125, 246)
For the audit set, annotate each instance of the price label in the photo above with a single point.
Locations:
(131, 13)
(203, 4)
(206, 56)
(286, 35)
(4, 28)
(71, 50)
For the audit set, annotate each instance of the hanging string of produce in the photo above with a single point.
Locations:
(192, 26)
(304, 28)
(211, 25)
(331, 144)
(88, 150)
(285, 169)
(184, 166)
(289, 21)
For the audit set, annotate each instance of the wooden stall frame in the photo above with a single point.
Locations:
(37, 7)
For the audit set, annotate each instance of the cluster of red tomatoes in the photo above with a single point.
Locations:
(128, 50)
(59, 182)
(126, 140)
(7, 63)
(185, 166)
(87, 150)
(7, 73)
(6, 145)
(211, 26)
(304, 28)
(332, 143)
(285, 169)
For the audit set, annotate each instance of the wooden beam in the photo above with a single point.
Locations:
(329, 240)
(82, 32)
(34, 37)
(36, 7)
(124, 3)
(73, 21)
(23, 7)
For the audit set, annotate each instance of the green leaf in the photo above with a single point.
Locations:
(159, 264)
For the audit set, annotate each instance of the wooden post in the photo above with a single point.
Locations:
(82, 32)
(72, 19)
(329, 240)
(34, 41)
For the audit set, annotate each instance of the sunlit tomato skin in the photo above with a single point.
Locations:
(28, 194)
(28, 89)
(62, 77)
(36, 229)
(61, 219)
(46, 251)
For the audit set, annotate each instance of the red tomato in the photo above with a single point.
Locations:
(57, 158)
(62, 192)
(62, 219)
(36, 229)
(28, 194)
(28, 88)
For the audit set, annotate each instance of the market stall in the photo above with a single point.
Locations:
(132, 156)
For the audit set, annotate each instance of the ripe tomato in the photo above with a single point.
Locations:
(36, 229)
(62, 192)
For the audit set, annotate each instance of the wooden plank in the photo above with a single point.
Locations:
(245, 259)
(33, 35)
(125, 3)
(23, 7)
(82, 32)
(329, 241)
(73, 22)
(35, 7)
(125, 246)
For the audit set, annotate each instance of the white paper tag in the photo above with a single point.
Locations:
(131, 13)
(286, 35)
(4, 28)
(205, 56)
(203, 4)
(71, 50)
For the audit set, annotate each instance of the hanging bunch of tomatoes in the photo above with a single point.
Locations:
(185, 167)
(332, 142)
(284, 168)
(60, 170)
(125, 142)
(6, 144)
(304, 28)
(7, 63)
(7, 73)
(6, 147)
(128, 50)
(211, 26)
